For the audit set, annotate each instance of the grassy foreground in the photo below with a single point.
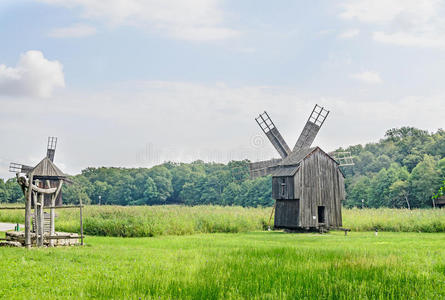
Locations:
(146, 221)
(258, 265)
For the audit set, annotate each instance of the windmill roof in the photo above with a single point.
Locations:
(296, 157)
(46, 168)
(286, 171)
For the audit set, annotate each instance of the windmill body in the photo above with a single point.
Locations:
(307, 183)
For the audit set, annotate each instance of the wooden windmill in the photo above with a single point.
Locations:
(307, 183)
(41, 186)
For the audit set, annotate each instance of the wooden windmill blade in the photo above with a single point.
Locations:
(263, 168)
(310, 130)
(19, 168)
(343, 158)
(51, 148)
(272, 133)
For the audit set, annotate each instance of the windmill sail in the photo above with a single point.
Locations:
(51, 149)
(273, 134)
(263, 168)
(19, 168)
(310, 130)
(344, 158)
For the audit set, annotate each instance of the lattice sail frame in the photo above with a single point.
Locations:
(344, 158)
(272, 133)
(51, 148)
(310, 130)
(19, 168)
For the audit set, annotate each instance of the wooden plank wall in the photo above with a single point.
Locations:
(322, 184)
(276, 187)
(286, 214)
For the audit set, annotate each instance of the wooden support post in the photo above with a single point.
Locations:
(52, 216)
(81, 222)
(28, 214)
(42, 220)
(52, 219)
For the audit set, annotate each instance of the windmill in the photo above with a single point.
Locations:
(42, 187)
(307, 183)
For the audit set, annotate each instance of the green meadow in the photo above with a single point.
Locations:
(255, 265)
(214, 252)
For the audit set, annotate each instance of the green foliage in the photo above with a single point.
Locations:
(402, 170)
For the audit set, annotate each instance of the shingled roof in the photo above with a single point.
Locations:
(46, 168)
(296, 157)
(291, 164)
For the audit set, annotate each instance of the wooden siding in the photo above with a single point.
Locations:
(322, 184)
(286, 214)
(277, 189)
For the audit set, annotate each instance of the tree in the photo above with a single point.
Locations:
(424, 181)
(151, 192)
(399, 193)
(358, 191)
(231, 194)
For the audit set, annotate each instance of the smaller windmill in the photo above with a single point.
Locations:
(307, 183)
(42, 187)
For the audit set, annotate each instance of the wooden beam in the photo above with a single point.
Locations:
(28, 216)
(62, 237)
(52, 213)
(81, 222)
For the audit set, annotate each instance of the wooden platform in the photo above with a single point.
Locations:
(59, 239)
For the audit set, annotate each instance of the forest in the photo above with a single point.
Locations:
(405, 169)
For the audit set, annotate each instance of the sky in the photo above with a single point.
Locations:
(134, 83)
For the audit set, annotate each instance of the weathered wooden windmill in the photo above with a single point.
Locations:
(41, 186)
(307, 183)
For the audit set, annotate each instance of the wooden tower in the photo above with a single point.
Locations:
(307, 183)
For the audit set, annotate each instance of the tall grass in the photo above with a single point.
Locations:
(146, 221)
(397, 220)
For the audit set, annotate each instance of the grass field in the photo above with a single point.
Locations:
(147, 221)
(261, 265)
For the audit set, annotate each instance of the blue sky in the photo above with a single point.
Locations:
(133, 83)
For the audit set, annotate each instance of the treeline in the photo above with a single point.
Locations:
(404, 169)
(171, 183)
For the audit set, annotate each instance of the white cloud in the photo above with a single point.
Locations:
(349, 34)
(409, 40)
(385, 11)
(197, 20)
(367, 77)
(74, 31)
(33, 76)
(414, 23)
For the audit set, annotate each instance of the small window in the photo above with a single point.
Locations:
(283, 187)
(321, 215)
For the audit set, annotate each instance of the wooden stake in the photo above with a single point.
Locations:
(52, 218)
(28, 215)
(81, 222)
(42, 220)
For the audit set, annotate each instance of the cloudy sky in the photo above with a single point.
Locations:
(135, 82)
